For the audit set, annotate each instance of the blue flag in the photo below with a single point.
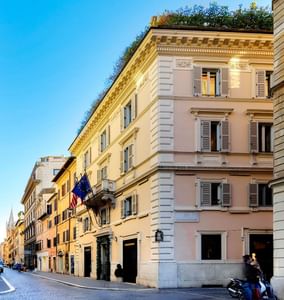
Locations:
(82, 188)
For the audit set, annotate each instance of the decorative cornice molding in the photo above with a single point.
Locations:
(179, 42)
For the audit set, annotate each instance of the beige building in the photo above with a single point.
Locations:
(64, 219)
(19, 239)
(278, 180)
(179, 154)
(35, 205)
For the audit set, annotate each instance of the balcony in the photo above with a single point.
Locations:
(103, 194)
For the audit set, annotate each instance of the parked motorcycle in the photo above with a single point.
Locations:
(235, 289)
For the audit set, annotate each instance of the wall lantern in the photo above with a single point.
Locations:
(159, 235)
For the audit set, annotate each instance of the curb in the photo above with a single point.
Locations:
(11, 288)
(94, 287)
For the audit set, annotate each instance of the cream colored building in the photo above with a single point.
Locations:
(35, 206)
(179, 154)
(278, 180)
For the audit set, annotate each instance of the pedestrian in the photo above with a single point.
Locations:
(252, 273)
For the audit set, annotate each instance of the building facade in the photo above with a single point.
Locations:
(64, 219)
(179, 155)
(19, 239)
(41, 178)
(278, 179)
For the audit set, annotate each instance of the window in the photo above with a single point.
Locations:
(210, 81)
(214, 136)
(215, 194)
(87, 158)
(49, 224)
(49, 209)
(58, 239)
(261, 137)
(211, 247)
(260, 194)
(105, 216)
(54, 241)
(128, 112)
(129, 206)
(64, 214)
(74, 233)
(55, 171)
(102, 174)
(56, 219)
(63, 189)
(127, 159)
(55, 204)
(263, 83)
(86, 225)
(104, 139)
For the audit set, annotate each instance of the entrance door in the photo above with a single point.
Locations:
(130, 260)
(87, 261)
(262, 246)
(72, 264)
(103, 258)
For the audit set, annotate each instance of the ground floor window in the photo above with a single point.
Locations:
(211, 246)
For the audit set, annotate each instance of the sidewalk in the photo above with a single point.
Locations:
(89, 283)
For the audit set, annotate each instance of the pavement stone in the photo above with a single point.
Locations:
(90, 283)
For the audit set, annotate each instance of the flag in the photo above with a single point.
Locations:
(74, 200)
(81, 189)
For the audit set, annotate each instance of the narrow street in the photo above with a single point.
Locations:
(28, 287)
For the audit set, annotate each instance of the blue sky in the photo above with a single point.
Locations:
(55, 57)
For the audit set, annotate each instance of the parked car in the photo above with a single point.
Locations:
(1, 268)
(18, 266)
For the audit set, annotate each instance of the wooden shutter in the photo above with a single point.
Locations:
(122, 212)
(122, 118)
(205, 193)
(197, 73)
(99, 178)
(260, 83)
(205, 136)
(121, 161)
(226, 194)
(253, 136)
(224, 82)
(130, 156)
(107, 215)
(224, 136)
(134, 107)
(134, 202)
(90, 156)
(253, 194)
(108, 135)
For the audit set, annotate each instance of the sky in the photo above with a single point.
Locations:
(55, 57)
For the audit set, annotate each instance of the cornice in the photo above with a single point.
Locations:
(180, 42)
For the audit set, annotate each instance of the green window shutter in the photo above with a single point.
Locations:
(260, 83)
(253, 195)
(197, 73)
(108, 135)
(224, 82)
(226, 194)
(205, 136)
(253, 137)
(225, 136)
(205, 194)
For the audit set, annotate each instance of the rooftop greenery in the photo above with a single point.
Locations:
(214, 16)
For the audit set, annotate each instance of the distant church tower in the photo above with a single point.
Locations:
(10, 225)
